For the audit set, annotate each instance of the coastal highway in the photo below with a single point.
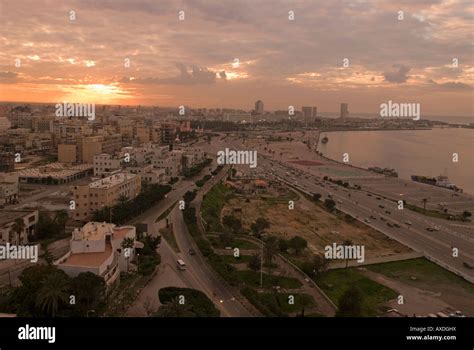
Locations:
(437, 245)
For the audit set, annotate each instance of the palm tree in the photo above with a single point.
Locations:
(269, 251)
(424, 200)
(347, 242)
(18, 227)
(53, 293)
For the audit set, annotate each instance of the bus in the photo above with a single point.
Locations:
(181, 265)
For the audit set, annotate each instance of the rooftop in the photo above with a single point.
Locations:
(89, 259)
(7, 216)
(112, 180)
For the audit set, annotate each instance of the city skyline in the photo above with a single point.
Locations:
(257, 53)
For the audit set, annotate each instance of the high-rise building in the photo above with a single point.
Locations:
(344, 110)
(315, 111)
(259, 107)
(307, 111)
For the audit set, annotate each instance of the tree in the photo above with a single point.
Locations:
(351, 303)
(466, 214)
(283, 245)
(255, 262)
(347, 242)
(53, 293)
(232, 223)
(316, 266)
(298, 244)
(260, 225)
(89, 290)
(269, 250)
(330, 203)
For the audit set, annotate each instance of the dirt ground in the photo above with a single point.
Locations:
(314, 224)
(423, 301)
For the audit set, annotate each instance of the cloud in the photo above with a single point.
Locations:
(398, 75)
(451, 85)
(8, 77)
(187, 76)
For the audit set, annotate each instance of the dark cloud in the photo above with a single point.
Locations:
(187, 76)
(397, 75)
(222, 74)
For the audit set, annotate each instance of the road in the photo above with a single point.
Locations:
(198, 274)
(437, 245)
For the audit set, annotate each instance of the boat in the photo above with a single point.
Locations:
(439, 181)
(324, 139)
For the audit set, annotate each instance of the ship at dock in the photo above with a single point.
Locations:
(439, 181)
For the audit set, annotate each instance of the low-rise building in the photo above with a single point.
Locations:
(104, 192)
(17, 225)
(9, 187)
(97, 248)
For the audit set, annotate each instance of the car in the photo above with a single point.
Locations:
(383, 219)
(396, 225)
(387, 212)
(191, 251)
(381, 206)
(369, 195)
(408, 223)
(378, 198)
(467, 265)
(373, 217)
(389, 224)
(367, 220)
(430, 229)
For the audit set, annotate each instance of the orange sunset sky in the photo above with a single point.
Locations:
(282, 62)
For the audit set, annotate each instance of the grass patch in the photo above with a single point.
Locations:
(237, 243)
(166, 212)
(433, 213)
(212, 204)
(230, 259)
(277, 304)
(252, 278)
(168, 235)
(426, 273)
(336, 282)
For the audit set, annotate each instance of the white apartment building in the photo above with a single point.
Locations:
(97, 248)
(105, 164)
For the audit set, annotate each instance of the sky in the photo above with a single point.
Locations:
(230, 53)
